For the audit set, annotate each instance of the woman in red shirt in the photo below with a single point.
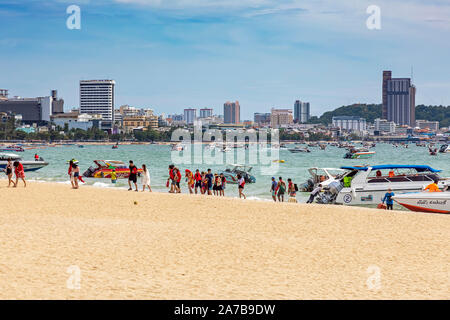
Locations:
(20, 173)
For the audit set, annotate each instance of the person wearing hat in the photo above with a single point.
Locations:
(273, 189)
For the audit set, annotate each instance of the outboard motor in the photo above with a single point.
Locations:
(330, 193)
(443, 148)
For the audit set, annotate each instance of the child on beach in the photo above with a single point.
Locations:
(241, 184)
(145, 178)
(9, 173)
(113, 176)
(20, 173)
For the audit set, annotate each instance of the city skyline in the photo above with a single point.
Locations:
(171, 56)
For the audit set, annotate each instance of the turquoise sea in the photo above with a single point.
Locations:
(158, 157)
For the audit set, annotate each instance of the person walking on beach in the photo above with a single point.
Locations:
(223, 185)
(217, 185)
(292, 191)
(171, 180)
(273, 189)
(281, 189)
(69, 172)
(210, 177)
(133, 176)
(9, 172)
(241, 184)
(198, 181)
(204, 189)
(76, 174)
(145, 178)
(314, 193)
(177, 179)
(388, 199)
(189, 180)
(20, 173)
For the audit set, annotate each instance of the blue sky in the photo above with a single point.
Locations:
(173, 54)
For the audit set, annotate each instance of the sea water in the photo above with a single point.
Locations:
(158, 157)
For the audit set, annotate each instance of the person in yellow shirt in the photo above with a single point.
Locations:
(113, 176)
(432, 187)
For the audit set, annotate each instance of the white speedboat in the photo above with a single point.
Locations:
(368, 185)
(445, 148)
(32, 165)
(435, 202)
(323, 176)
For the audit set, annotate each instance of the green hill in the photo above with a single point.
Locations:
(372, 111)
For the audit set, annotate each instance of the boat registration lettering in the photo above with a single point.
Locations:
(348, 198)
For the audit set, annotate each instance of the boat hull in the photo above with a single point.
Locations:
(27, 165)
(433, 202)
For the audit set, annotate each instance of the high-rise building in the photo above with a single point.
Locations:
(350, 123)
(97, 97)
(232, 112)
(301, 111)
(190, 115)
(261, 118)
(399, 100)
(57, 104)
(206, 113)
(32, 110)
(280, 118)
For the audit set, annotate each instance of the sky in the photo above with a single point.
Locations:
(174, 54)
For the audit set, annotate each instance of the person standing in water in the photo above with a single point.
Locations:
(145, 178)
(113, 176)
(9, 172)
(20, 173)
(133, 176)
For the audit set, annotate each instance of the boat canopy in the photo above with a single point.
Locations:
(419, 168)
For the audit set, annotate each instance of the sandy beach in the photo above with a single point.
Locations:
(195, 247)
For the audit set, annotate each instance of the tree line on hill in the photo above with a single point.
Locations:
(373, 111)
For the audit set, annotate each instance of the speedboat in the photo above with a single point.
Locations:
(434, 202)
(323, 176)
(177, 147)
(232, 170)
(12, 148)
(31, 165)
(444, 148)
(299, 150)
(367, 185)
(359, 154)
(103, 169)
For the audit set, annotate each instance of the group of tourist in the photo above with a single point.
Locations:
(198, 182)
(279, 189)
(17, 168)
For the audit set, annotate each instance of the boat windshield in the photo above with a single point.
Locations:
(400, 175)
